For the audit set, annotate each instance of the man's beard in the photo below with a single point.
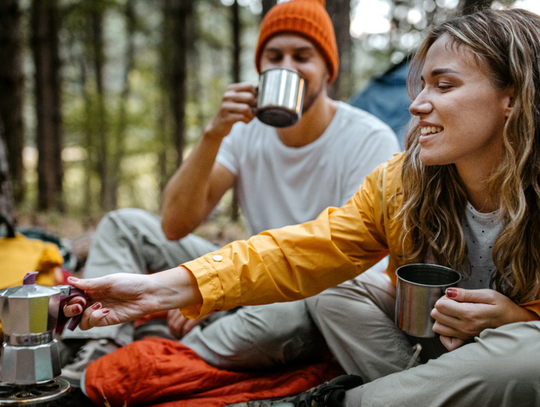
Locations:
(308, 101)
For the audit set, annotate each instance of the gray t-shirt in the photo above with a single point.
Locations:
(481, 231)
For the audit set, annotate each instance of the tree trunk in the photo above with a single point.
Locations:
(267, 5)
(49, 136)
(6, 198)
(119, 146)
(96, 20)
(163, 136)
(236, 24)
(470, 6)
(12, 89)
(88, 140)
(182, 14)
(340, 13)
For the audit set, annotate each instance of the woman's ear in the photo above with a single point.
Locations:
(510, 101)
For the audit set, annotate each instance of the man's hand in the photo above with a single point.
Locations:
(462, 314)
(179, 326)
(238, 105)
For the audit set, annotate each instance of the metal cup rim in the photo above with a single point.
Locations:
(283, 69)
(436, 266)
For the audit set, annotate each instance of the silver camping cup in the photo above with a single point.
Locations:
(281, 97)
(419, 286)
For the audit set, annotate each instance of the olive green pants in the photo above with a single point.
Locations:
(500, 368)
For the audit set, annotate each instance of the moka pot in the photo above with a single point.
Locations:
(29, 315)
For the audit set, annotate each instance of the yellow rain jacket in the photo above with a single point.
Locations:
(299, 261)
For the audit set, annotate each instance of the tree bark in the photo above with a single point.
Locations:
(182, 14)
(98, 54)
(470, 6)
(88, 140)
(12, 90)
(6, 198)
(266, 6)
(236, 24)
(49, 136)
(163, 131)
(119, 145)
(340, 13)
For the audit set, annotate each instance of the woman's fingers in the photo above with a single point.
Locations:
(444, 318)
(93, 316)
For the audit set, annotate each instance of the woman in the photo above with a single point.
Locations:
(473, 152)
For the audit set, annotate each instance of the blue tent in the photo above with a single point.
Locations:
(386, 97)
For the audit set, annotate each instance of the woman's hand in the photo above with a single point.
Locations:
(122, 297)
(462, 314)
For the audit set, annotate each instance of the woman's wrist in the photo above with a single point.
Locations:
(176, 288)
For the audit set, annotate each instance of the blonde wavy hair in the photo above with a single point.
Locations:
(506, 44)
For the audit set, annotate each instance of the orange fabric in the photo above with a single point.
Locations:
(533, 306)
(164, 373)
(156, 316)
(307, 18)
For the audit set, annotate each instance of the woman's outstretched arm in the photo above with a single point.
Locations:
(124, 297)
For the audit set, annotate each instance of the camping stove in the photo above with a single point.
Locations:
(33, 394)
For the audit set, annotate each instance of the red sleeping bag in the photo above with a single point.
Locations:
(165, 373)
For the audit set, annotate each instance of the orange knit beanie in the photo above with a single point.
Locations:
(307, 18)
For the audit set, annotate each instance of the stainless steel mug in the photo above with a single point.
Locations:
(419, 286)
(281, 97)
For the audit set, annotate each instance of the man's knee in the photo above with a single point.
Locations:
(276, 321)
(258, 336)
(128, 216)
(126, 222)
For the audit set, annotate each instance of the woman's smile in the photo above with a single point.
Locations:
(428, 133)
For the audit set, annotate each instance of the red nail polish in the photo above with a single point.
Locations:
(451, 292)
(97, 305)
(106, 311)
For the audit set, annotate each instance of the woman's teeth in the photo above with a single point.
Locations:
(429, 130)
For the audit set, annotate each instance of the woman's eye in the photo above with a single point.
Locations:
(444, 86)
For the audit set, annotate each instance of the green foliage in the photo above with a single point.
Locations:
(136, 116)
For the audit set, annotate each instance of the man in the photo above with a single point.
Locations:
(284, 176)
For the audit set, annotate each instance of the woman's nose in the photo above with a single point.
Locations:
(420, 105)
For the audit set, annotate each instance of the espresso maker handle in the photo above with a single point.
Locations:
(72, 292)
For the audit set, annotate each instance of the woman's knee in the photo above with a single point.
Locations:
(511, 351)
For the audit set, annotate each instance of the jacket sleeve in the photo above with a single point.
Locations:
(297, 261)
(533, 306)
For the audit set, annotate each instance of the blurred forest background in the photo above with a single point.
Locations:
(100, 100)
